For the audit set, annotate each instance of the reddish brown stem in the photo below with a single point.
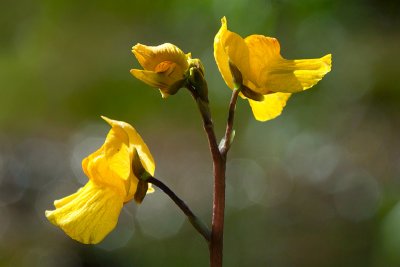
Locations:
(219, 167)
(193, 219)
(227, 140)
(217, 229)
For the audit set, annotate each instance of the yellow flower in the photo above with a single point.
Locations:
(92, 212)
(165, 67)
(264, 71)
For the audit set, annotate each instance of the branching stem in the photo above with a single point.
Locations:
(219, 166)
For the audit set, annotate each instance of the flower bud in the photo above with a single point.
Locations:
(164, 67)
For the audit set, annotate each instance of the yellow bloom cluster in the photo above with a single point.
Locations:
(252, 65)
(268, 80)
(92, 212)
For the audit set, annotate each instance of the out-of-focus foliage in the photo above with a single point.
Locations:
(318, 186)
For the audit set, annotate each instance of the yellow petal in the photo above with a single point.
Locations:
(150, 56)
(88, 215)
(271, 107)
(61, 202)
(135, 143)
(86, 161)
(171, 70)
(116, 152)
(111, 165)
(230, 46)
(272, 73)
(96, 168)
(263, 51)
(154, 79)
(100, 173)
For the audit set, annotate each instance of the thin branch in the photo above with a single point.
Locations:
(193, 219)
(226, 141)
(207, 124)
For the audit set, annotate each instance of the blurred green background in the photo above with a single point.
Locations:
(318, 186)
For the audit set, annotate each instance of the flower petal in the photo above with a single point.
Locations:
(116, 151)
(229, 46)
(111, 165)
(150, 56)
(154, 79)
(271, 107)
(263, 51)
(97, 168)
(135, 142)
(293, 76)
(272, 73)
(88, 215)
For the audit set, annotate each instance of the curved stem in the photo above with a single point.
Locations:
(193, 219)
(227, 140)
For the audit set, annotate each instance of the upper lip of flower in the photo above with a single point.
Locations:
(111, 165)
(151, 56)
(267, 78)
(164, 66)
(263, 69)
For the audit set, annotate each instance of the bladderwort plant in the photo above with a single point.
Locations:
(122, 169)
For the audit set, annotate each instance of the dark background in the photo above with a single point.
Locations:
(318, 186)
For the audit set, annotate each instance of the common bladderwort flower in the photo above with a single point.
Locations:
(267, 79)
(164, 67)
(92, 212)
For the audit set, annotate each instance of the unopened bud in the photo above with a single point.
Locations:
(196, 79)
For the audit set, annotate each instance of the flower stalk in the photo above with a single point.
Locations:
(229, 132)
(193, 219)
(219, 154)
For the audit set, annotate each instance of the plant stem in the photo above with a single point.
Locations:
(227, 140)
(197, 86)
(217, 229)
(193, 219)
(219, 167)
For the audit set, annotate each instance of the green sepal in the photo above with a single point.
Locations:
(140, 172)
(141, 191)
(197, 81)
(238, 83)
(247, 92)
(196, 63)
(236, 74)
(173, 89)
(138, 169)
